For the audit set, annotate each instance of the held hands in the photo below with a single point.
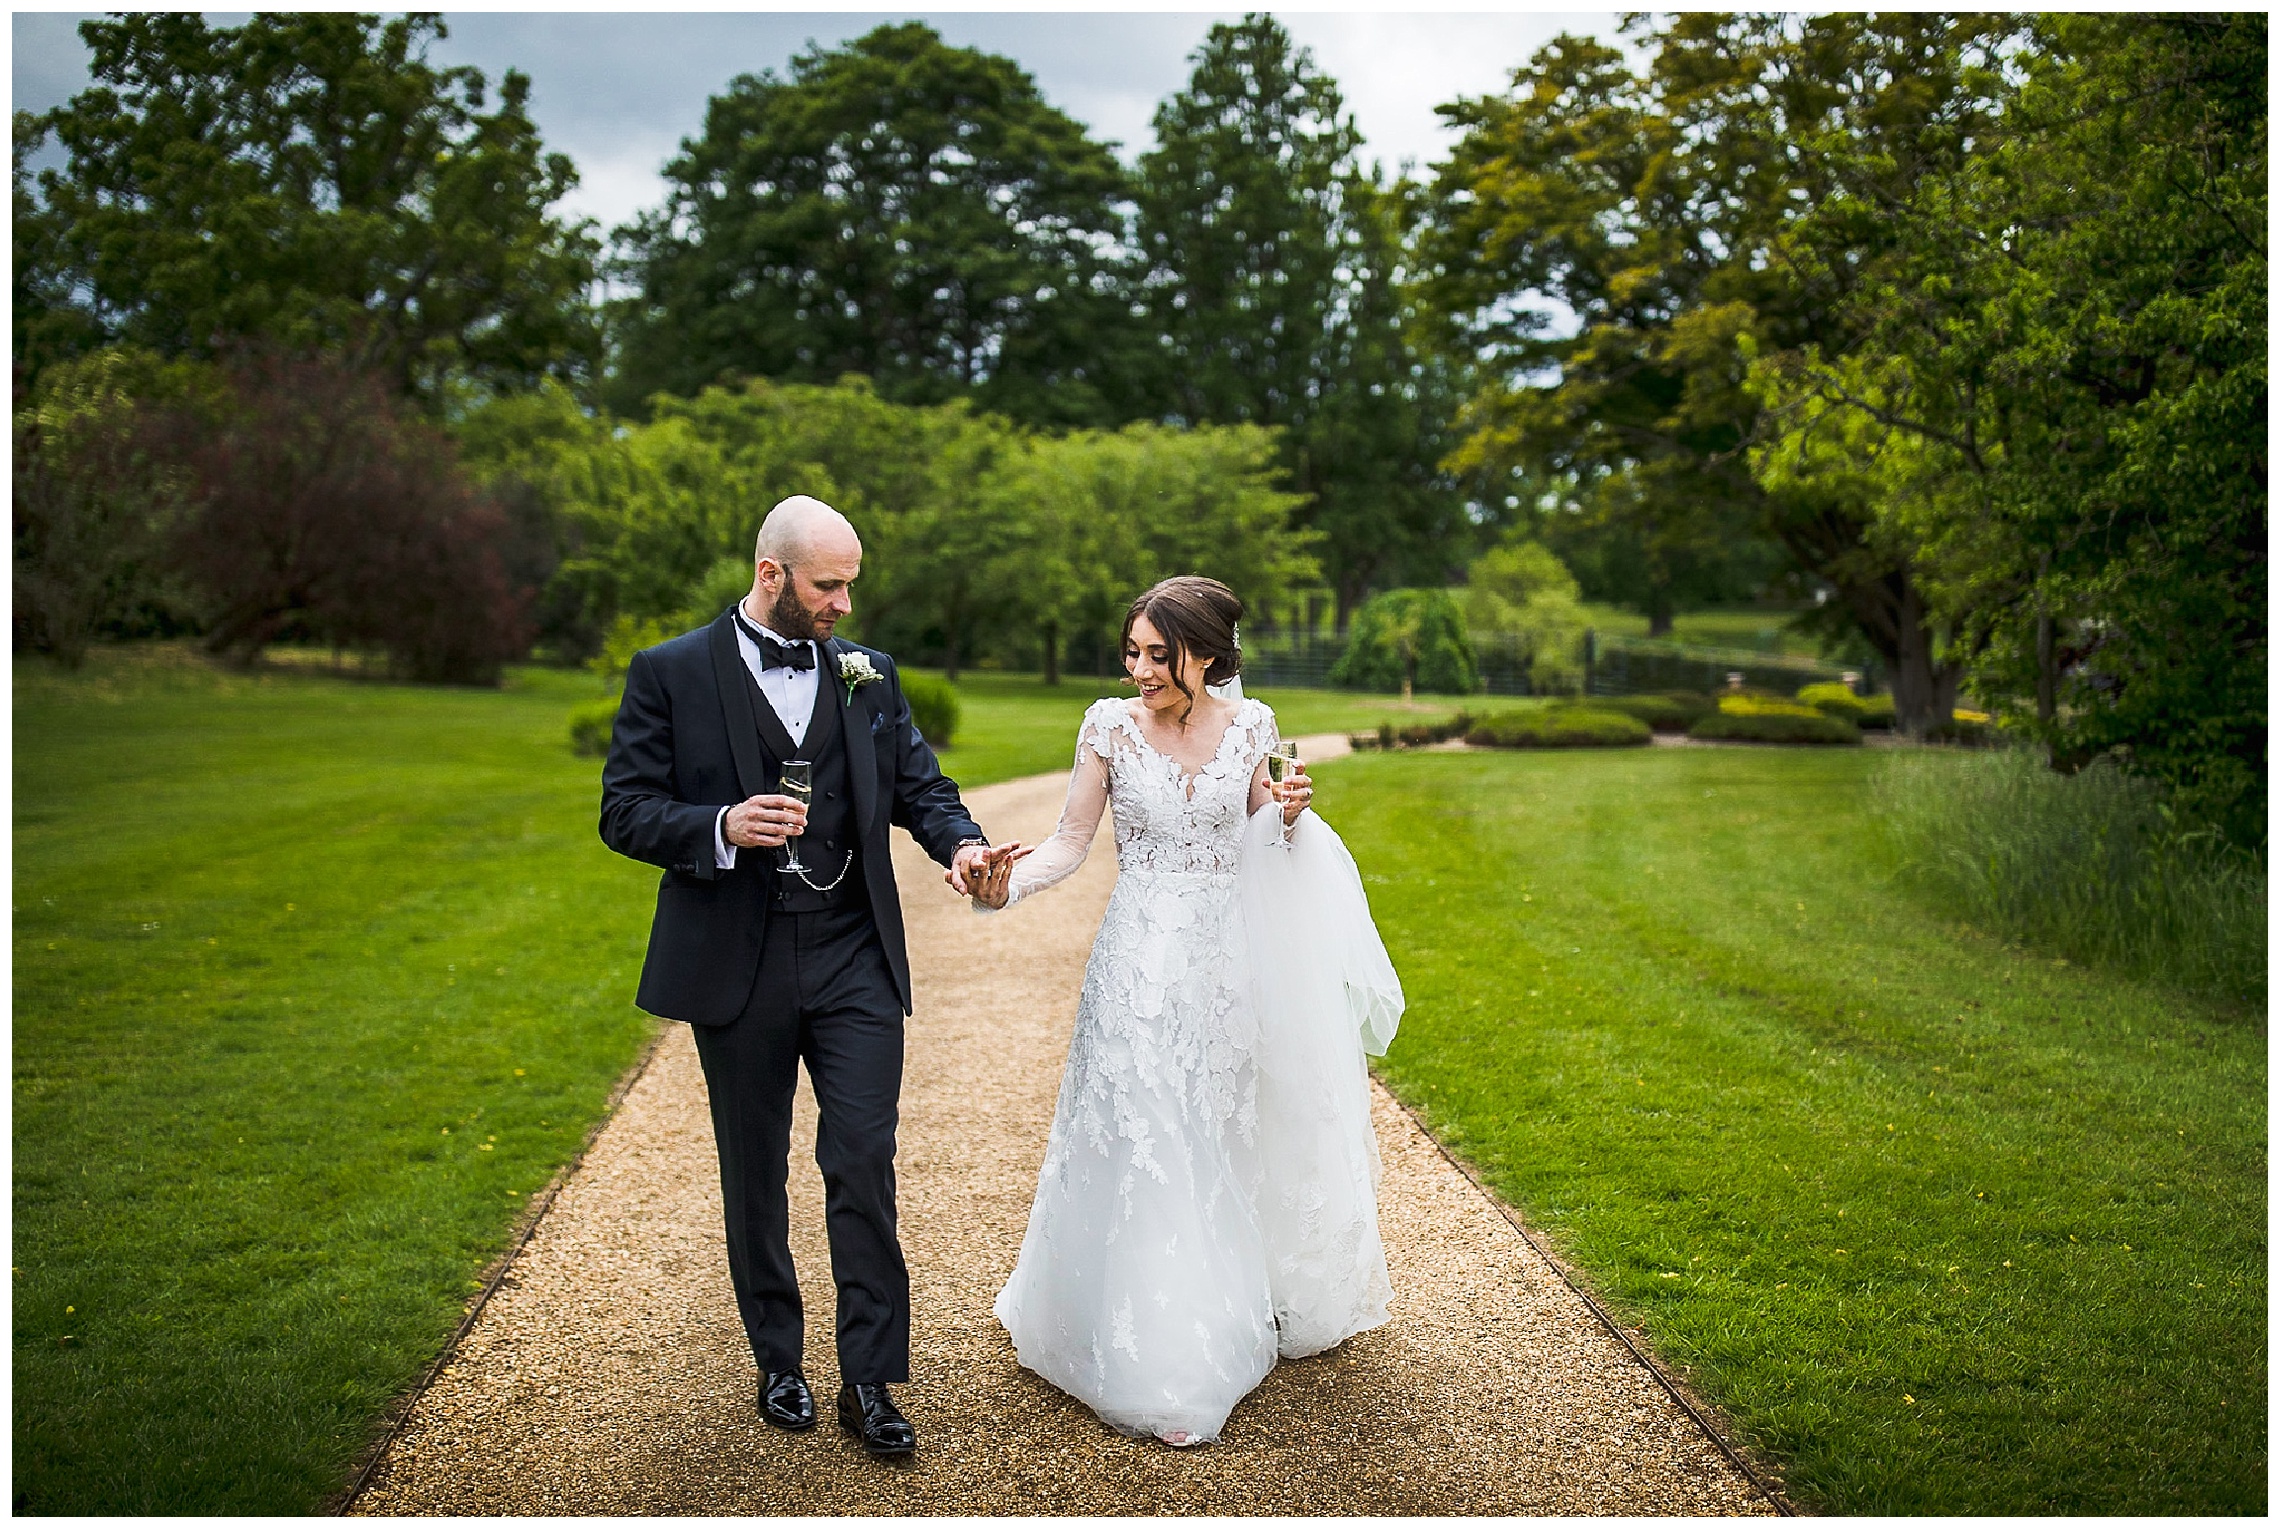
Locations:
(765, 821)
(984, 872)
(1295, 791)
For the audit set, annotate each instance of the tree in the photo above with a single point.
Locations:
(305, 181)
(1576, 187)
(1410, 639)
(320, 507)
(1278, 281)
(96, 504)
(1655, 209)
(898, 209)
(1519, 591)
(2057, 397)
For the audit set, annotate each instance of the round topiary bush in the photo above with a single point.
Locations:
(1560, 727)
(1837, 700)
(933, 706)
(1743, 719)
(1672, 712)
(590, 726)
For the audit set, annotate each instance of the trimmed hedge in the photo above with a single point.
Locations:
(933, 706)
(1418, 735)
(590, 726)
(1770, 722)
(1837, 700)
(1671, 712)
(1560, 727)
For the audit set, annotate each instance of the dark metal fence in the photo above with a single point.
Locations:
(1637, 666)
(1611, 665)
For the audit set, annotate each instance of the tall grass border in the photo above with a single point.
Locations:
(2096, 867)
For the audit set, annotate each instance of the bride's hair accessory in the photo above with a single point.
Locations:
(1195, 615)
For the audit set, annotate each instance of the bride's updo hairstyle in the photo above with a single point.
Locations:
(1195, 615)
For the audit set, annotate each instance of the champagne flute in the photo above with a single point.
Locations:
(798, 781)
(1281, 760)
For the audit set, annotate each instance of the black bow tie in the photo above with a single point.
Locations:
(778, 655)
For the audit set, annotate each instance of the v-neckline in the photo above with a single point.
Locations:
(1187, 778)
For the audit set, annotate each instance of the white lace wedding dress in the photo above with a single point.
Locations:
(1208, 1197)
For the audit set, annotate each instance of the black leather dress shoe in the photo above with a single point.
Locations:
(786, 1402)
(870, 1414)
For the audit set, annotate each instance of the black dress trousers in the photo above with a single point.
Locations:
(824, 996)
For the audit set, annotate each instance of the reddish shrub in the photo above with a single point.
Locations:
(324, 508)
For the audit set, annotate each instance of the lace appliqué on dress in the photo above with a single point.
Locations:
(1143, 1283)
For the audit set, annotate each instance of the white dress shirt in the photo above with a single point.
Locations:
(791, 692)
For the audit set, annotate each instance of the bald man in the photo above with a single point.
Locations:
(776, 962)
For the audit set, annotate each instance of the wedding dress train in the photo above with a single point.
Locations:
(1208, 1197)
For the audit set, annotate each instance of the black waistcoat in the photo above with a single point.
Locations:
(831, 830)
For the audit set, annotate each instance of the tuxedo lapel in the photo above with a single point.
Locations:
(855, 723)
(734, 682)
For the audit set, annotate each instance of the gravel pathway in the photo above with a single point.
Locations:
(609, 1374)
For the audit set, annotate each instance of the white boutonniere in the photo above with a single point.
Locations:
(855, 671)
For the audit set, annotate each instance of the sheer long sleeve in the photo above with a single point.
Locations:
(1057, 858)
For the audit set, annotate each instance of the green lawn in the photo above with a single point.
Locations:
(314, 981)
(1945, 1227)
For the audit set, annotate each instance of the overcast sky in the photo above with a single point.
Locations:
(617, 91)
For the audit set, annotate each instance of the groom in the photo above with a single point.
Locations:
(773, 968)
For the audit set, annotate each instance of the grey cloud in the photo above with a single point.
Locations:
(617, 91)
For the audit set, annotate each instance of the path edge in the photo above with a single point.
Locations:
(1699, 1413)
(493, 1276)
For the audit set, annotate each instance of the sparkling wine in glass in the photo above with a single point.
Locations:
(1281, 760)
(798, 782)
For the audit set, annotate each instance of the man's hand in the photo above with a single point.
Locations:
(764, 820)
(985, 872)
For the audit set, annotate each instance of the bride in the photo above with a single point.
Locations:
(1209, 1194)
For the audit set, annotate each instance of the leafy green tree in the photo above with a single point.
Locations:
(1654, 208)
(898, 209)
(1242, 216)
(97, 501)
(1280, 285)
(1111, 512)
(308, 181)
(2058, 396)
(1576, 186)
(1520, 593)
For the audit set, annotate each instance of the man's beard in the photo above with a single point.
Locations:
(788, 618)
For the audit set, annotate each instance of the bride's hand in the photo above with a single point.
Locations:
(1294, 791)
(987, 876)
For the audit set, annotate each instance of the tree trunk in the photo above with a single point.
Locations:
(1052, 652)
(1923, 691)
(2046, 659)
(1889, 610)
(1350, 596)
(1660, 613)
(950, 653)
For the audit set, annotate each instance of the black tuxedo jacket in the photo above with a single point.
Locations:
(689, 740)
